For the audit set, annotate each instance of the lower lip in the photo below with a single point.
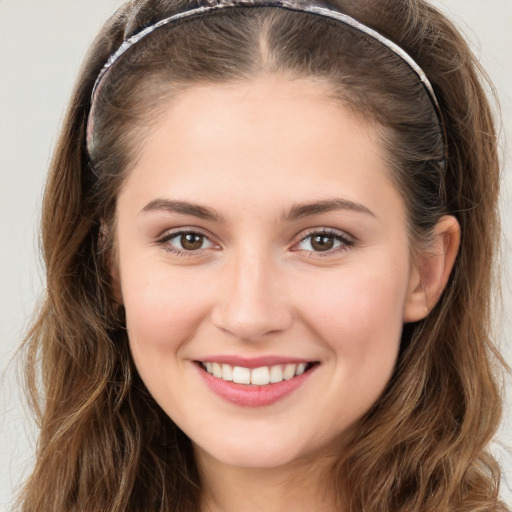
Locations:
(251, 395)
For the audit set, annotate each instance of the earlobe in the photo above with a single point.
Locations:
(431, 270)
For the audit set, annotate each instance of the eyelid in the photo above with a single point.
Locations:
(347, 241)
(172, 232)
(169, 234)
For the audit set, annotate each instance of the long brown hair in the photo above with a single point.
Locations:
(105, 445)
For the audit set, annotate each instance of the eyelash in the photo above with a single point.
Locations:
(164, 241)
(345, 241)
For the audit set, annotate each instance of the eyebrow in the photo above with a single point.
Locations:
(183, 207)
(302, 210)
(297, 211)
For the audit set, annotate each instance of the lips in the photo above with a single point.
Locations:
(255, 382)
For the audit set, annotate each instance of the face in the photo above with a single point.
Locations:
(263, 261)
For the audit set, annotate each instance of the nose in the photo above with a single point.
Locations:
(252, 303)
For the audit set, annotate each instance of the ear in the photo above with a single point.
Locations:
(107, 246)
(431, 270)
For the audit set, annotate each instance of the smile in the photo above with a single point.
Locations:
(261, 376)
(257, 382)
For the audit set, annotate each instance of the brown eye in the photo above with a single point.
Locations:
(186, 241)
(322, 242)
(191, 241)
(325, 242)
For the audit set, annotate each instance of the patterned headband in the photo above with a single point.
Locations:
(209, 6)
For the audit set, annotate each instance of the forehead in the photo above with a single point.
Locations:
(270, 136)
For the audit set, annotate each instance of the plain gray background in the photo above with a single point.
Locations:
(42, 43)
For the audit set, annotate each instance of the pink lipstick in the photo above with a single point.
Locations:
(254, 382)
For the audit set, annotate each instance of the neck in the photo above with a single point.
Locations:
(301, 487)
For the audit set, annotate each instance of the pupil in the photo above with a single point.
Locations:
(191, 242)
(322, 242)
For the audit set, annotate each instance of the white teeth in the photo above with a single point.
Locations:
(227, 372)
(289, 371)
(301, 368)
(276, 374)
(241, 375)
(260, 376)
(217, 370)
(257, 376)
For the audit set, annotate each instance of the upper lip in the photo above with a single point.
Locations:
(253, 362)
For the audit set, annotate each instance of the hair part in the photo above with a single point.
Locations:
(105, 444)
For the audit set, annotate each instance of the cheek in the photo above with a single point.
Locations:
(363, 327)
(359, 314)
(163, 308)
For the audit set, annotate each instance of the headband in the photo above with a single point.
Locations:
(292, 5)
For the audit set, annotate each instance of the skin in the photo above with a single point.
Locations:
(251, 153)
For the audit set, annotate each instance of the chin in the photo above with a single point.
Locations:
(267, 452)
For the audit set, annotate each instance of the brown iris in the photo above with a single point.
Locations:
(322, 242)
(191, 241)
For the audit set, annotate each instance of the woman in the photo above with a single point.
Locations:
(267, 232)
